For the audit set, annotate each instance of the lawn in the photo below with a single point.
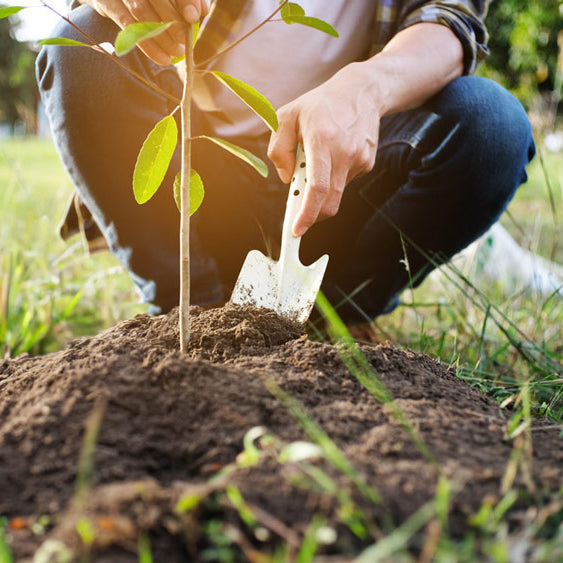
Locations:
(508, 346)
(50, 291)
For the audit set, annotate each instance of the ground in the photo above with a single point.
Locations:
(120, 438)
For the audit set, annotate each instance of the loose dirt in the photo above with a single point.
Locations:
(171, 422)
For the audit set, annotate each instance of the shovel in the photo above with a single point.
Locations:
(286, 286)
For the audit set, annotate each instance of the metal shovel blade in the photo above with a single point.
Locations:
(285, 286)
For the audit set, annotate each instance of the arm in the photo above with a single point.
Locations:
(166, 45)
(338, 122)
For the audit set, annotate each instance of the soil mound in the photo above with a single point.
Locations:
(169, 422)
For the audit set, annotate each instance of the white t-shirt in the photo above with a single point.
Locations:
(284, 61)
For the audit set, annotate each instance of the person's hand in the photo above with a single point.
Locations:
(169, 43)
(338, 125)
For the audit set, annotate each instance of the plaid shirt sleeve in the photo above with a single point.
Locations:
(464, 18)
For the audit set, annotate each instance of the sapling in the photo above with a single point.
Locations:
(159, 146)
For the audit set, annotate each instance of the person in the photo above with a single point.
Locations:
(409, 157)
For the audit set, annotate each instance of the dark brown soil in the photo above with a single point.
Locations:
(171, 421)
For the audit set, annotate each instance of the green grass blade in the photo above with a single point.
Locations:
(399, 538)
(361, 369)
(330, 450)
(310, 542)
(5, 553)
(144, 549)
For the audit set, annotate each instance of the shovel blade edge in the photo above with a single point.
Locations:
(257, 282)
(298, 289)
(290, 293)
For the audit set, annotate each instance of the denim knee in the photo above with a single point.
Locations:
(495, 142)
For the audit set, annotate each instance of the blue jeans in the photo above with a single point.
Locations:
(444, 173)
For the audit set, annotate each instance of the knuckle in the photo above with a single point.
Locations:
(331, 210)
(365, 162)
(136, 8)
(327, 134)
(320, 188)
(273, 151)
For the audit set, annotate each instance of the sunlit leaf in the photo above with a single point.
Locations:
(316, 23)
(134, 33)
(196, 191)
(7, 11)
(293, 13)
(251, 97)
(154, 159)
(63, 41)
(257, 163)
(291, 9)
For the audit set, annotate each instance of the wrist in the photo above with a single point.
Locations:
(368, 89)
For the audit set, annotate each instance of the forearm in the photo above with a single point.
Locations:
(416, 64)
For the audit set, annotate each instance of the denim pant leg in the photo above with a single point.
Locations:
(444, 173)
(100, 116)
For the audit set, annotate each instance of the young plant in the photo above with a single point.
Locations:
(157, 151)
(159, 146)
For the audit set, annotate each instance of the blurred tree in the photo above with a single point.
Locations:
(523, 44)
(18, 90)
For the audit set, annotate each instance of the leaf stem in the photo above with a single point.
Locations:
(184, 312)
(241, 39)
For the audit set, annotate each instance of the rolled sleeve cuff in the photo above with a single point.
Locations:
(467, 27)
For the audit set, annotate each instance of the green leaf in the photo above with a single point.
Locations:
(251, 97)
(134, 33)
(196, 191)
(257, 163)
(63, 41)
(291, 9)
(7, 11)
(315, 23)
(293, 13)
(154, 159)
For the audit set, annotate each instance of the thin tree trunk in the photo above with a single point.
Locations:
(185, 195)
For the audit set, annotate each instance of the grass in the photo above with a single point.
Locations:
(499, 343)
(50, 291)
(510, 347)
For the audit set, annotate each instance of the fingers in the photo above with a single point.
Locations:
(317, 190)
(283, 144)
(169, 43)
(192, 10)
(329, 169)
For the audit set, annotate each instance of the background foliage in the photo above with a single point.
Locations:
(524, 46)
(18, 92)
